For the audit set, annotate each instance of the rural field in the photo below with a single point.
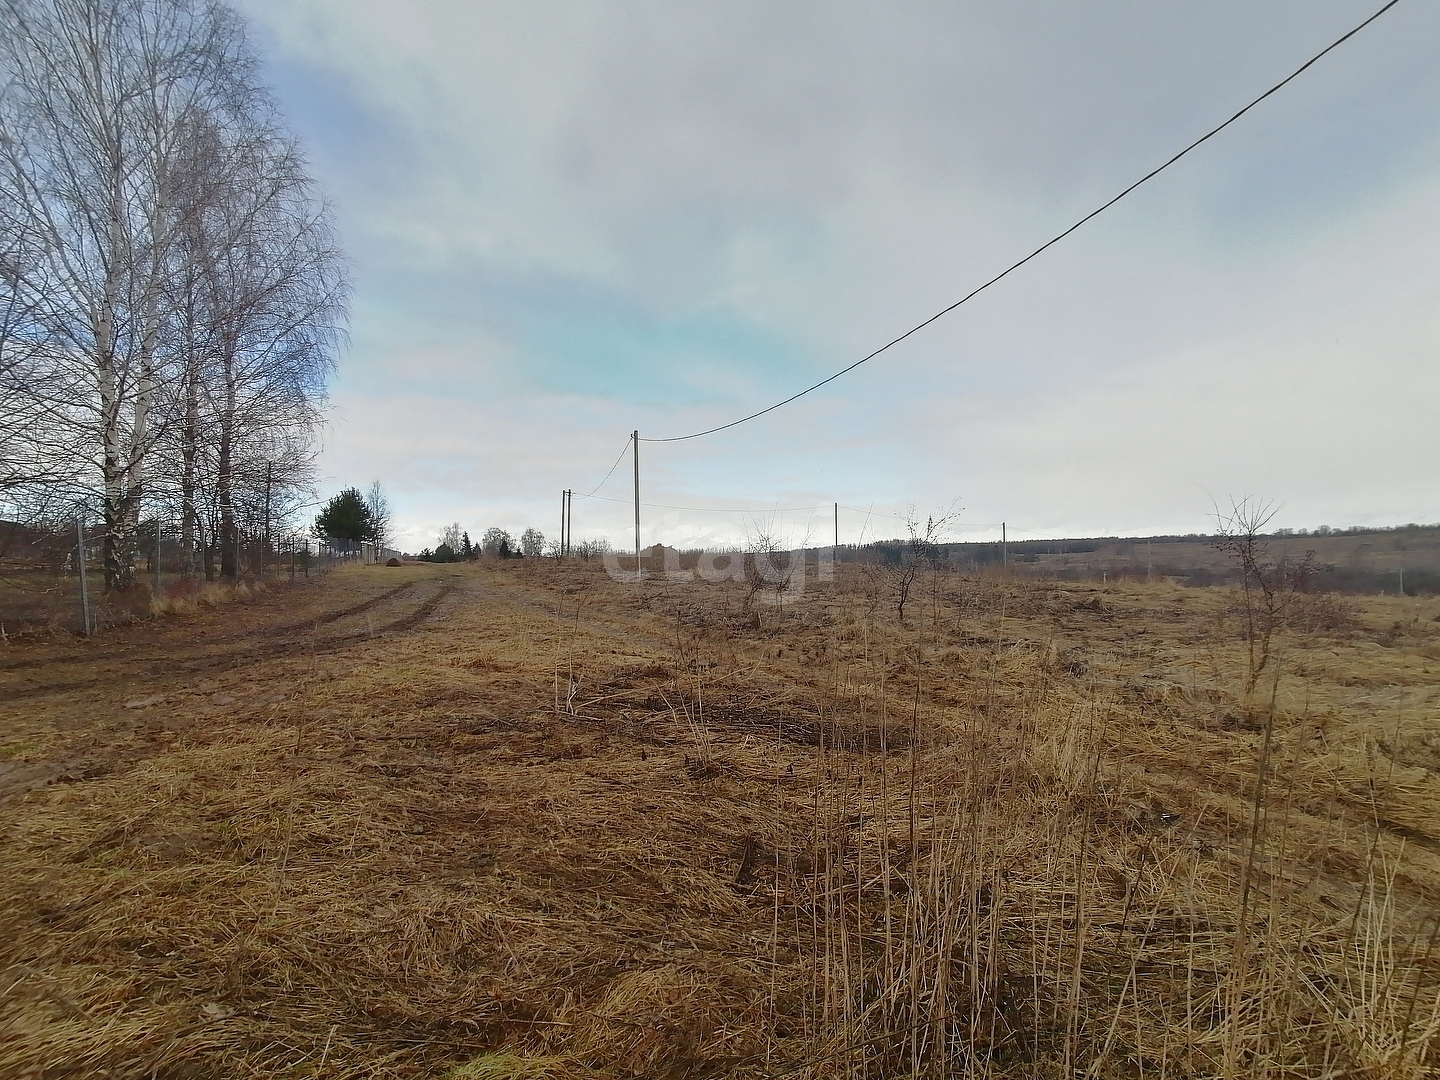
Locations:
(515, 819)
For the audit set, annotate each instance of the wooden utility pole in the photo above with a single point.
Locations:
(837, 526)
(564, 521)
(84, 582)
(635, 454)
(1004, 553)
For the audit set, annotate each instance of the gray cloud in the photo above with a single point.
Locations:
(566, 216)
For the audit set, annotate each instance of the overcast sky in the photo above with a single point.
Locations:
(571, 220)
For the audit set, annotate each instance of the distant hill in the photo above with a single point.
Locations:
(1350, 560)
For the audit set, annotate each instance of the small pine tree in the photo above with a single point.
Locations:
(345, 517)
(465, 549)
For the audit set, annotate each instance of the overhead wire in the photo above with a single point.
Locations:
(719, 509)
(790, 510)
(1049, 243)
(903, 517)
(611, 473)
(976, 291)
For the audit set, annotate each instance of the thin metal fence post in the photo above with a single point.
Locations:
(265, 553)
(84, 581)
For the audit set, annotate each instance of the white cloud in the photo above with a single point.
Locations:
(562, 214)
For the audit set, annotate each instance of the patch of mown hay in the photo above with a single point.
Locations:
(1015, 837)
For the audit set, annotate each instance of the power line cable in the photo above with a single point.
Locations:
(903, 517)
(1049, 243)
(719, 509)
(609, 474)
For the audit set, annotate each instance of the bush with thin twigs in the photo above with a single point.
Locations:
(1269, 586)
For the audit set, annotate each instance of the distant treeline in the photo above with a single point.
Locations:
(1417, 581)
(981, 552)
(1153, 557)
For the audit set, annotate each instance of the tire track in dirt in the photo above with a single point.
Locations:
(271, 644)
(148, 673)
(120, 650)
(335, 616)
(16, 779)
(420, 614)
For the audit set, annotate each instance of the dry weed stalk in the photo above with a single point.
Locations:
(1031, 937)
(1269, 586)
(1011, 841)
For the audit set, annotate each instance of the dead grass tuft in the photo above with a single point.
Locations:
(455, 823)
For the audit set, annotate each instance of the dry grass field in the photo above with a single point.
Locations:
(523, 821)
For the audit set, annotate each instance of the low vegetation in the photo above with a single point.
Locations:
(517, 819)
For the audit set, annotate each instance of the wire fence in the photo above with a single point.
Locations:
(53, 576)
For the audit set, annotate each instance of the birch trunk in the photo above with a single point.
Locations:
(225, 474)
(189, 438)
(118, 553)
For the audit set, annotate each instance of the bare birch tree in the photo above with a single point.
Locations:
(179, 290)
(99, 94)
(380, 514)
(278, 291)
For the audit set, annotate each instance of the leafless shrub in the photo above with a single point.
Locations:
(592, 549)
(920, 552)
(772, 563)
(1269, 586)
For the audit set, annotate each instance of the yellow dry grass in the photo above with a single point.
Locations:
(524, 821)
